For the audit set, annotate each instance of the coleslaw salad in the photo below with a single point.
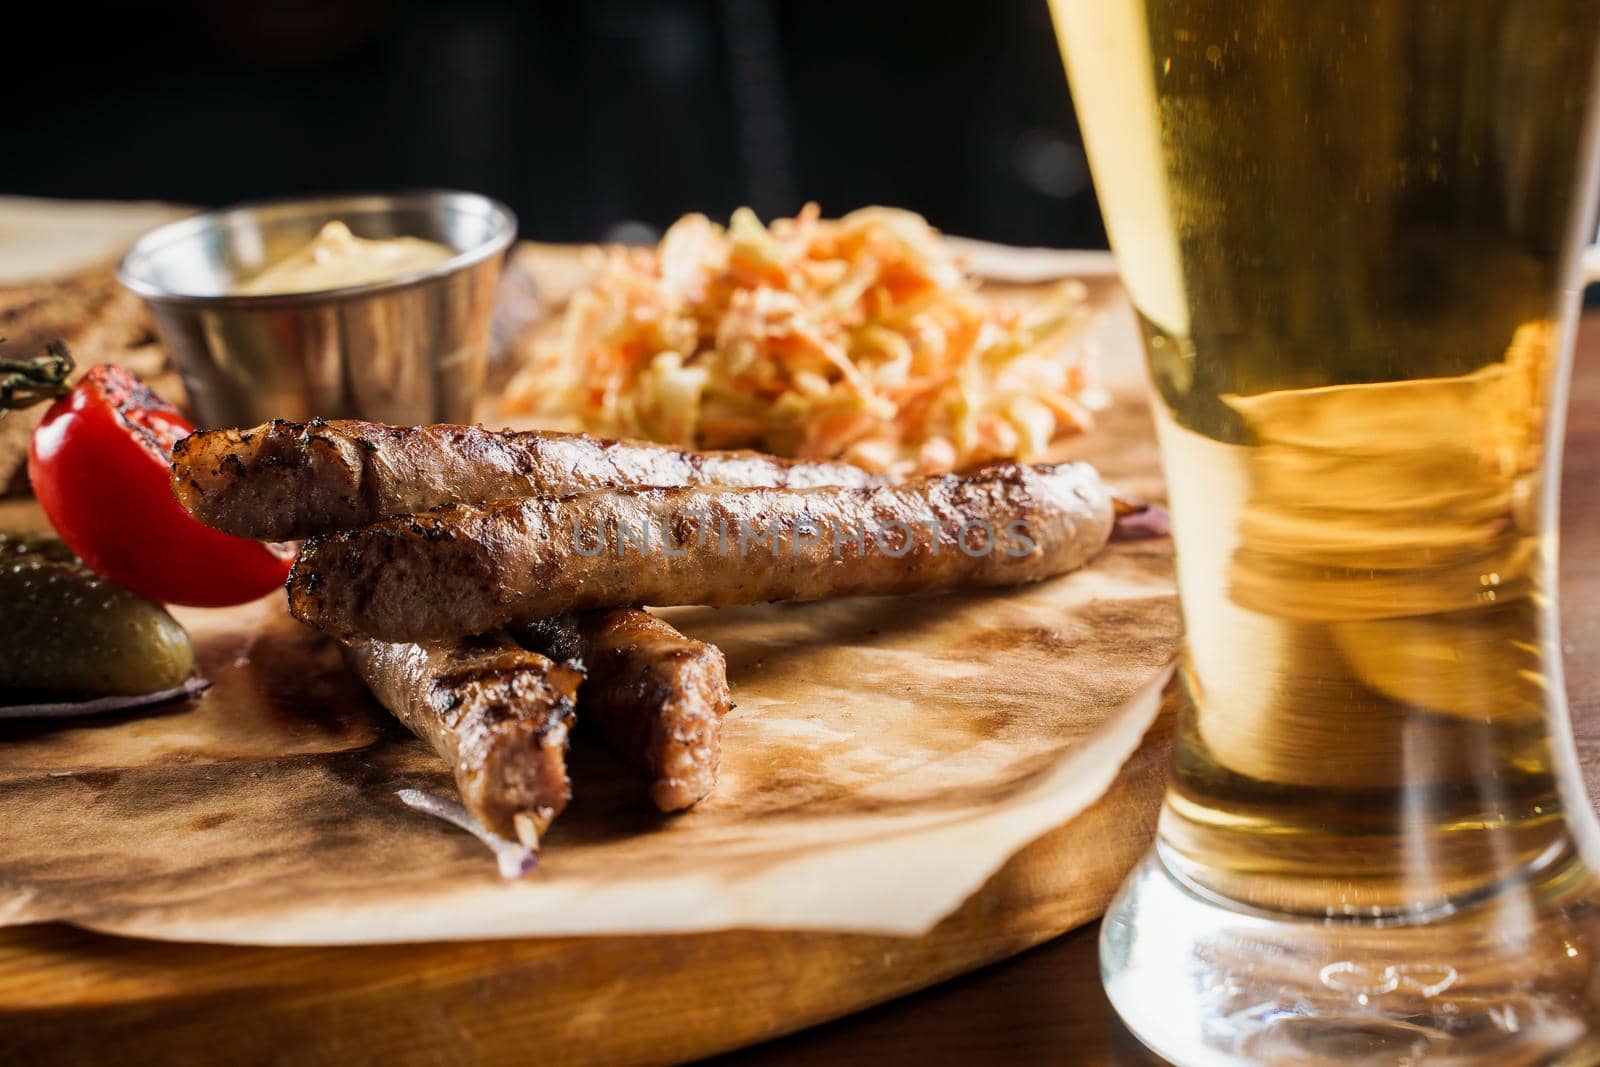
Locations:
(859, 338)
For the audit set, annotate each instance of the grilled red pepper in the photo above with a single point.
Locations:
(100, 463)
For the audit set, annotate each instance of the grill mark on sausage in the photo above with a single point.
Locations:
(464, 569)
(497, 713)
(656, 697)
(287, 481)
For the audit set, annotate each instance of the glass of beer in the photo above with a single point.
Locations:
(1353, 232)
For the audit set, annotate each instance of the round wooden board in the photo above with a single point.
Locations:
(68, 996)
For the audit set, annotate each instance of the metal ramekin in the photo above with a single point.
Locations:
(411, 349)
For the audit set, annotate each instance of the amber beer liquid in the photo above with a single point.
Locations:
(1349, 231)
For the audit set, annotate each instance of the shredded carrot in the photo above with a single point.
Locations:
(857, 337)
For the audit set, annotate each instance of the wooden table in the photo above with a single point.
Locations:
(1046, 1006)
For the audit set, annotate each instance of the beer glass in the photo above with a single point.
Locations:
(1352, 231)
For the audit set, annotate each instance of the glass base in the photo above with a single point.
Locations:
(1511, 980)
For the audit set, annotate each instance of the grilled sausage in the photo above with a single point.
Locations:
(472, 569)
(285, 481)
(656, 697)
(497, 713)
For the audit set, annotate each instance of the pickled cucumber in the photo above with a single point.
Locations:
(67, 633)
(15, 546)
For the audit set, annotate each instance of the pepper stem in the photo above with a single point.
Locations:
(24, 382)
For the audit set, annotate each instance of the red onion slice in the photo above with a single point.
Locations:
(77, 709)
(1149, 522)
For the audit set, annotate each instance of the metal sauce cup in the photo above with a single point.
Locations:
(409, 349)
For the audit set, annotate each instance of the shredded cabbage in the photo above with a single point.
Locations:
(857, 338)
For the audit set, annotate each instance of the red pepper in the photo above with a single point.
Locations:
(100, 466)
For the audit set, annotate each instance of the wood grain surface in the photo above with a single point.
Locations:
(69, 996)
(73, 997)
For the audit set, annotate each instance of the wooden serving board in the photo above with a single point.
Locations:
(68, 995)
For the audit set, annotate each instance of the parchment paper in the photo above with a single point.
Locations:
(885, 757)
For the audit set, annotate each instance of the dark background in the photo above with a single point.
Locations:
(597, 119)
